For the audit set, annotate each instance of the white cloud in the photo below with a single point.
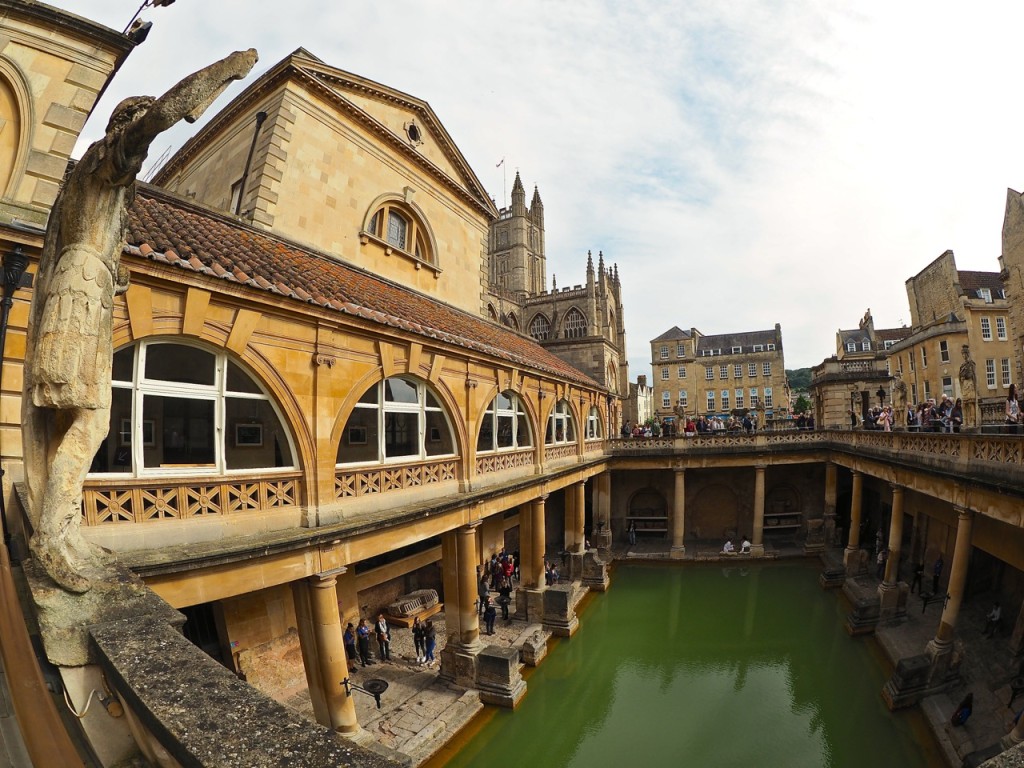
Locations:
(744, 163)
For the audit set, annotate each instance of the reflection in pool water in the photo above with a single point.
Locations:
(705, 666)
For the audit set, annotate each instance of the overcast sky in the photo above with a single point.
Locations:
(744, 163)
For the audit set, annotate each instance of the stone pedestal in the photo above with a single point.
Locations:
(815, 542)
(677, 553)
(855, 561)
(908, 683)
(603, 540)
(529, 604)
(459, 664)
(945, 658)
(893, 601)
(595, 571)
(863, 618)
(832, 578)
(534, 648)
(575, 563)
(498, 678)
(559, 613)
(64, 617)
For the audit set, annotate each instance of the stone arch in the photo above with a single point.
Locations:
(540, 327)
(423, 243)
(574, 324)
(783, 498)
(512, 321)
(16, 110)
(492, 314)
(647, 502)
(714, 513)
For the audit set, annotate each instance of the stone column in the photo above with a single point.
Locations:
(678, 550)
(569, 495)
(459, 561)
(851, 557)
(326, 665)
(891, 594)
(1017, 637)
(577, 519)
(580, 506)
(601, 534)
(530, 594)
(831, 491)
(940, 646)
(757, 544)
(348, 595)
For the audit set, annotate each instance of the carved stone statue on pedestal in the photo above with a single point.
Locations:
(969, 388)
(66, 403)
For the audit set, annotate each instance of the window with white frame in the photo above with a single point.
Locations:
(666, 399)
(1006, 371)
(887, 343)
(561, 428)
(723, 371)
(910, 359)
(593, 424)
(944, 351)
(1001, 328)
(924, 357)
(899, 364)
(739, 398)
(709, 372)
(504, 426)
(664, 352)
(990, 373)
(396, 225)
(725, 399)
(913, 392)
(711, 401)
(766, 369)
(737, 371)
(851, 346)
(681, 372)
(771, 347)
(754, 398)
(680, 349)
(887, 371)
(183, 409)
(397, 419)
(986, 329)
(752, 370)
(737, 350)
(986, 294)
(664, 373)
(927, 390)
(759, 347)
(768, 402)
(865, 345)
(947, 386)
(683, 399)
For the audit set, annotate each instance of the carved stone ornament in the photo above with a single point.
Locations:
(69, 352)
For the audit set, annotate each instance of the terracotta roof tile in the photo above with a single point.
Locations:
(162, 227)
(971, 281)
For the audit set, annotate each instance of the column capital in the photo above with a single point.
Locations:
(679, 470)
(856, 472)
(760, 467)
(323, 580)
(963, 513)
(896, 488)
(466, 527)
(542, 498)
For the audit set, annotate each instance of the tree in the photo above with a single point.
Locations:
(802, 405)
(799, 379)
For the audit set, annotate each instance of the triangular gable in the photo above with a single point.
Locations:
(394, 111)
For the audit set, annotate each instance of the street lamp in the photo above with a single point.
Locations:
(373, 687)
(145, 4)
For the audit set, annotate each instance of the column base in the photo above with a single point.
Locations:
(498, 678)
(757, 550)
(559, 610)
(815, 541)
(908, 683)
(602, 539)
(459, 663)
(534, 648)
(575, 566)
(677, 553)
(863, 619)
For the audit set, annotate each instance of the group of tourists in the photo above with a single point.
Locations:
(730, 549)
(357, 641)
(498, 575)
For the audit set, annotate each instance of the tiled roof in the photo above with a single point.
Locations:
(892, 334)
(972, 281)
(675, 332)
(170, 231)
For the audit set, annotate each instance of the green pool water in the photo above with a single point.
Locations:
(704, 666)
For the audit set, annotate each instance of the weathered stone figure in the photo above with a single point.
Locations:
(969, 388)
(66, 404)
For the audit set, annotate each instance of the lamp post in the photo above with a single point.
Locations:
(13, 263)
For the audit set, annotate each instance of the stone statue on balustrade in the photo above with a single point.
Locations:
(899, 387)
(69, 353)
(969, 388)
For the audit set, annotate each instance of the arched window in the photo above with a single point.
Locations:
(575, 324)
(491, 314)
(397, 226)
(182, 409)
(397, 419)
(540, 328)
(504, 426)
(594, 424)
(561, 428)
(513, 321)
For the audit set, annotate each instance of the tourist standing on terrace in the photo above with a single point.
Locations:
(383, 638)
(419, 637)
(363, 639)
(1013, 413)
(430, 638)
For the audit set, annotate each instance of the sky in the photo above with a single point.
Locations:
(743, 163)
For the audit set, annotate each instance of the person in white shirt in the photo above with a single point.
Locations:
(729, 549)
(745, 547)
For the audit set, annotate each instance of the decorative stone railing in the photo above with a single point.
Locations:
(140, 501)
(496, 462)
(559, 451)
(371, 480)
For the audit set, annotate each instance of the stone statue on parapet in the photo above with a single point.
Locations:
(69, 352)
(969, 388)
(900, 388)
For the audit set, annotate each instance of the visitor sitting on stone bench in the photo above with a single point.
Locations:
(729, 549)
(745, 546)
